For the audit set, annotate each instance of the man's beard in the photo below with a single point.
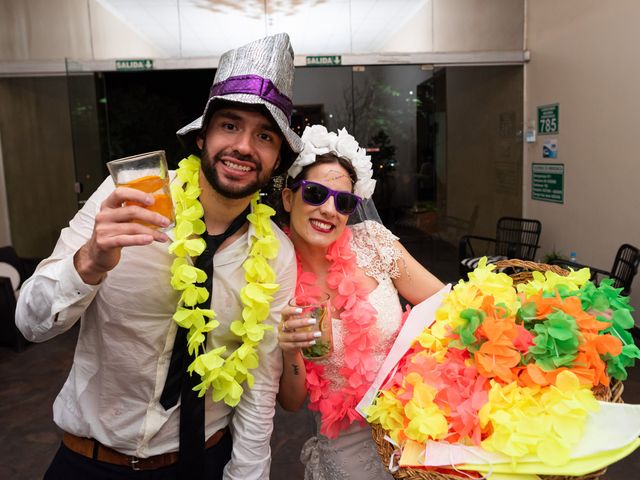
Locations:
(229, 190)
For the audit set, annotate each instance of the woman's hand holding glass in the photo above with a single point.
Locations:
(294, 332)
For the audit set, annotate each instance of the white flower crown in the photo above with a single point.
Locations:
(318, 141)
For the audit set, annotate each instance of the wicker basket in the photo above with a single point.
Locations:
(520, 271)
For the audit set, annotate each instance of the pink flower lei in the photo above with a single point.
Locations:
(337, 408)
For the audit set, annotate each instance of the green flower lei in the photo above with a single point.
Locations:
(224, 375)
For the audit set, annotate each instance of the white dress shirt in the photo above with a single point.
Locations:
(126, 338)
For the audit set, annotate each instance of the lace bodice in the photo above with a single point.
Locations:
(378, 257)
(375, 252)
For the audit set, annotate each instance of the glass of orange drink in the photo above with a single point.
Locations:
(147, 172)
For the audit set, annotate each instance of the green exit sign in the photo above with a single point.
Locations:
(131, 65)
(324, 60)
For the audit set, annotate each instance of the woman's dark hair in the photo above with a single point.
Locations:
(274, 196)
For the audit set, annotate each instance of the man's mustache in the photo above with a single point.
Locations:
(238, 156)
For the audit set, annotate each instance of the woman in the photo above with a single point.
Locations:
(363, 268)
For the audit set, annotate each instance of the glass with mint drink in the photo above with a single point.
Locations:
(320, 310)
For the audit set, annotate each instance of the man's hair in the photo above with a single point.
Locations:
(219, 104)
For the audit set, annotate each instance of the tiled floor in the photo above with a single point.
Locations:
(31, 379)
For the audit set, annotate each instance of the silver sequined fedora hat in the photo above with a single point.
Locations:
(260, 72)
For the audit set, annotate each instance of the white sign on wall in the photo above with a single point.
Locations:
(550, 148)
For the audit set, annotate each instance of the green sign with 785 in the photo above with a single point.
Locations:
(548, 119)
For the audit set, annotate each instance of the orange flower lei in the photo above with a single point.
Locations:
(337, 408)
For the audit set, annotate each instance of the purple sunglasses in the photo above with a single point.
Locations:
(316, 194)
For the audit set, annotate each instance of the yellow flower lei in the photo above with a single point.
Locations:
(224, 375)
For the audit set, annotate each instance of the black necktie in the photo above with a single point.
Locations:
(179, 383)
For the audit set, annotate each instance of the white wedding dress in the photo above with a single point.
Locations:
(352, 455)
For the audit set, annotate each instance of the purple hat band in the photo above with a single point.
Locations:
(254, 85)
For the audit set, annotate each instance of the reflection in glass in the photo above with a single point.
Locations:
(445, 143)
(323, 95)
(386, 107)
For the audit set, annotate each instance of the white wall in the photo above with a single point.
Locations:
(32, 30)
(584, 55)
(477, 25)
(461, 26)
(112, 37)
(44, 29)
(416, 35)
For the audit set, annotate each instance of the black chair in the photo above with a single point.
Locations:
(623, 271)
(13, 272)
(515, 238)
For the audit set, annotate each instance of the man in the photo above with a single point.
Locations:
(128, 402)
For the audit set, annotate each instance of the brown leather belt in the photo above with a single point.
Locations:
(90, 448)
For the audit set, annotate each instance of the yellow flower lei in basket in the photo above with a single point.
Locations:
(511, 370)
(224, 375)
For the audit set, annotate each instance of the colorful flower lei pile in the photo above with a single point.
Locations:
(510, 368)
(337, 407)
(224, 375)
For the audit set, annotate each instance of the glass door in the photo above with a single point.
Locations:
(86, 105)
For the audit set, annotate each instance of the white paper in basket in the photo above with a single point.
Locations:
(420, 317)
(613, 426)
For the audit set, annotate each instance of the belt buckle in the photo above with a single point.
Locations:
(133, 463)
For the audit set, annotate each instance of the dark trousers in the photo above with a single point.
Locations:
(69, 465)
